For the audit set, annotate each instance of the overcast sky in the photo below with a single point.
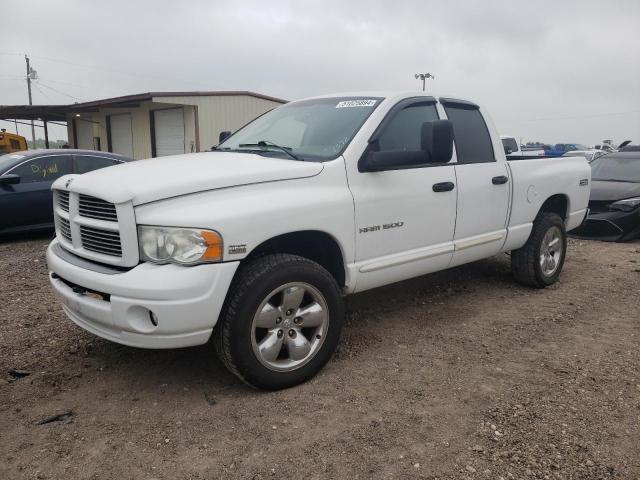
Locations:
(555, 71)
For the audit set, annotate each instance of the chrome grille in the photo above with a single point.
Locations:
(96, 229)
(63, 200)
(93, 207)
(64, 228)
(101, 241)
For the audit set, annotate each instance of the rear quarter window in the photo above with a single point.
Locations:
(87, 163)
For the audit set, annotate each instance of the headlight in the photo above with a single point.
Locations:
(187, 246)
(626, 205)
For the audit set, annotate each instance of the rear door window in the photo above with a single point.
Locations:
(472, 139)
(43, 169)
(88, 163)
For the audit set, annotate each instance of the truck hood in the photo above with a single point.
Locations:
(145, 181)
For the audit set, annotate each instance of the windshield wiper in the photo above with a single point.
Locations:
(267, 143)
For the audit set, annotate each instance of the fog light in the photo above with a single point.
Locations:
(141, 320)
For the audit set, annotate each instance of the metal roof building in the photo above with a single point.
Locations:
(150, 124)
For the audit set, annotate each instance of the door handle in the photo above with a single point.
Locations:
(443, 187)
(500, 180)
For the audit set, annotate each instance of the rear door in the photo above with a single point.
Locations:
(483, 185)
(30, 202)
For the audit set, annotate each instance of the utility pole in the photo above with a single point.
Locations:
(423, 77)
(31, 74)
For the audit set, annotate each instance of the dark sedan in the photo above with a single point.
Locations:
(615, 198)
(26, 201)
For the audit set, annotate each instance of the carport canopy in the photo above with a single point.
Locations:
(56, 114)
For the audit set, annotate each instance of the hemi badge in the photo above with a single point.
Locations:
(584, 182)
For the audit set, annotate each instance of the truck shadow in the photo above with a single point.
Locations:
(199, 368)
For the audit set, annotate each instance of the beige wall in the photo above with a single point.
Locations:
(215, 114)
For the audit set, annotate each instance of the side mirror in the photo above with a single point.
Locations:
(507, 150)
(437, 140)
(223, 136)
(9, 179)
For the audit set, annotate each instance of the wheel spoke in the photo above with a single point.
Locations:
(270, 346)
(552, 243)
(298, 346)
(292, 298)
(312, 315)
(267, 316)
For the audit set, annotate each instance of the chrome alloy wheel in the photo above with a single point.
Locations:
(551, 251)
(289, 326)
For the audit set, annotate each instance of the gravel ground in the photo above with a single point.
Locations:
(461, 374)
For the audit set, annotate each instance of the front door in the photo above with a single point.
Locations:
(404, 227)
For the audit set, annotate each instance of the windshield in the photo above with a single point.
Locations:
(317, 129)
(616, 169)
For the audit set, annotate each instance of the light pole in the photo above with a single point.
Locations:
(423, 77)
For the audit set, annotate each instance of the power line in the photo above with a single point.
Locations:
(98, 67)
(50, 80)
(40, 90)
(60, 92)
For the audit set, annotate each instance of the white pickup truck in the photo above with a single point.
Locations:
(253, 245)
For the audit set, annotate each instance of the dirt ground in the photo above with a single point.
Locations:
(456, 375)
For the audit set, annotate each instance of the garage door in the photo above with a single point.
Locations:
(121, 134)
(169, 131)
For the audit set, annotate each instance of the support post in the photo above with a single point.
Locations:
(46, 135)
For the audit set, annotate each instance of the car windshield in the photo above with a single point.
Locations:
(616, 169)
(9, 160)
(316, 130)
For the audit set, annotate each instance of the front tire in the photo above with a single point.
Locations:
(281, 321)
(539, 262)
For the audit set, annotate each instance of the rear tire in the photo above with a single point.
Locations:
(539, 262)
(281, 321)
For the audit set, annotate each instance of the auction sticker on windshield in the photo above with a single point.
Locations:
(356, 103)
